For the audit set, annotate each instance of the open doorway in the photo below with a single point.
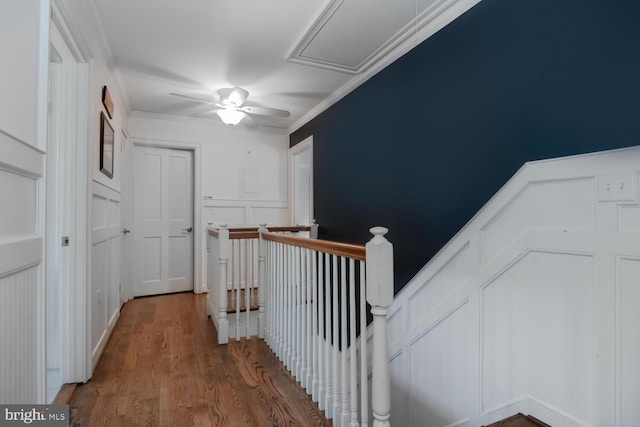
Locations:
(301, 182)
(66, 216)
(55, 254)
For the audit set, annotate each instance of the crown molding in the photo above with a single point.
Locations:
(445, 14)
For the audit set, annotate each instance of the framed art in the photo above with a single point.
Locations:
(107, 101)
(106, 146)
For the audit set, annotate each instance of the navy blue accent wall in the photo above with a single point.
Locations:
(425, 143)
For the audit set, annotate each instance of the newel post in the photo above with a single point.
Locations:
(380, 296)
(262, 282)
(223, 258)
(210, 262)
(313, 233)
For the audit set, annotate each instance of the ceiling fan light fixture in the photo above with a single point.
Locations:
(230, 116)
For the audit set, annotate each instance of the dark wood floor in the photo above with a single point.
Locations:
(162, 367)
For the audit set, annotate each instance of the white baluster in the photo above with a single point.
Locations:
(279, 308)
(264, 291)
(380, 297)
(309, 334)
(322, 360)
(294, 312)
(353, 369)
(343, 344)
(248, 286)
(314, 325)
(286, 305)
(299, 322)
(283, 298)
(262, 281)
(335, 282)
(364, 374)
(237, 286)
(303, 319)
(328, 355)
(223, 258)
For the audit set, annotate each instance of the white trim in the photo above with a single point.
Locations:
(305, 144)
(198, 228)
(20, 254)
(405, 33)
(75, 315)
(41, 196)
(20, 158)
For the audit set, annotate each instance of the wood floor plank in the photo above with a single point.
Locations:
(163, 367)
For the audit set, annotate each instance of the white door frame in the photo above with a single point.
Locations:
(74, 303)
(126, 219)
(306, 144)
(198, 227)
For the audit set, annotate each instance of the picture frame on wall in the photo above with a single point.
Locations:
(107, 101)
(107, 144)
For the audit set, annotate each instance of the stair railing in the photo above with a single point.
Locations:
(312, 306)
(233, 278)
(316, 294)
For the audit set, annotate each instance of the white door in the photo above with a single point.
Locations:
(163, 220)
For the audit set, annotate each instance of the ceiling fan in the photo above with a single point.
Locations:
(231, 110)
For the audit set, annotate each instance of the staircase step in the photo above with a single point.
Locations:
(519, 420)
(231, 300)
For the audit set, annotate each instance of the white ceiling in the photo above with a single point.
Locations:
(296, 55)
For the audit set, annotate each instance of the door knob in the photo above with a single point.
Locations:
(125, 231)
(188, 230)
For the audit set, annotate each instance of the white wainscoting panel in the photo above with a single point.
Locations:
(18, 329)
(532, 307)
(561, 203)
(245, 212)
(21, 279)
(441, 372)
(629, 341)
(629, 218)
(537, 319)
(105, 266)
(18, 194)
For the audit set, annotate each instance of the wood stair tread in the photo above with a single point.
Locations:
(519, 420)
(231, 300)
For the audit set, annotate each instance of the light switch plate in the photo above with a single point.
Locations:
(616, 187)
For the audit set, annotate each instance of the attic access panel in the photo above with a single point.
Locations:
(351, 35)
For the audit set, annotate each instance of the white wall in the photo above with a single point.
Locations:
(243, 179)
(244, 171)
(23, 61)
(531, 307)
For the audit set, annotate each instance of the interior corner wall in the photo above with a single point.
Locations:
(424, 144)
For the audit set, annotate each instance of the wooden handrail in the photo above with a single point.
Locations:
(274, 229)
(243, 234)
(252, 232)
(341, 249)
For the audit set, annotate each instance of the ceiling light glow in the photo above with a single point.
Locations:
(230, 115)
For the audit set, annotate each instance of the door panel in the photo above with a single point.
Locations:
(163, 210)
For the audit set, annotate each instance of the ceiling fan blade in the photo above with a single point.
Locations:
(193, 98)
(235, 96)
(248, 121)
(265, 111)
(205, 113)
